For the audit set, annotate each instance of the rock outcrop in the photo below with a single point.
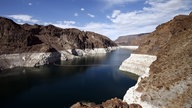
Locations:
(168, 82)
(112, 103)
(131, 40)
(31, 45)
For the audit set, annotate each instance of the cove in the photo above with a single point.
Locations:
(92, 78)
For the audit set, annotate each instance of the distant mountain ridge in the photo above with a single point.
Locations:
(131, 40)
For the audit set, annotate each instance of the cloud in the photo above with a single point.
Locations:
(69, 22)
(91, 15)
(110, 3)
(138, 21)
(101, 28)
(116, 13)
(30, 4)
(82, 9)
(21, 18)
(63, 24)
(76, 14)
(66, 22)
(146, 19)
(156, 13)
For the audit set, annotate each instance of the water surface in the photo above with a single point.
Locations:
(93, 78)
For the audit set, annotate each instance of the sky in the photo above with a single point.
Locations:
(112, 18)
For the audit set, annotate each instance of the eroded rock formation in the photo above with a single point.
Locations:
(168, 82)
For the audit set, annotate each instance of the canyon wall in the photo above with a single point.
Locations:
(167, 82)
(34, 45)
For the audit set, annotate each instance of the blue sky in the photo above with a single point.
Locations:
(112, 18)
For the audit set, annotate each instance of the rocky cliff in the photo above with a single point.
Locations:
(131, 40)
(30, 45)
(168, 81)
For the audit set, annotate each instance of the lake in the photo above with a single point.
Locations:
(89, 79)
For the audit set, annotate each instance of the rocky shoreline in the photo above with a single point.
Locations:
(37, 59)
(34, 45)
(137, 63)
(129, 47)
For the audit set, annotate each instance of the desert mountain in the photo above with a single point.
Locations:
(33, 45)
(15, 38)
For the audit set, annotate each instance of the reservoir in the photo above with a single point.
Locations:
(88, 79)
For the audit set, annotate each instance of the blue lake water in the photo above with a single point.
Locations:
(92, 79)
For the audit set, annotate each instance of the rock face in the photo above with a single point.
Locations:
(131, 40)
(168, 82)
(137, 63)
(46, 43)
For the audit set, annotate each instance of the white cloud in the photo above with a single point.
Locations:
(139, 21)
(63, 24)
(82, 9)
(110, 3)
(116, 13)
(76, 14)
(148, 18)
(30, 4)
(66, 22)
(21, 18)
(157, 13)
(69, 22)
(91, 15)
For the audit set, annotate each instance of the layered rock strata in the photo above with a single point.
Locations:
(137, 63)
(34, 45)
(167, 82)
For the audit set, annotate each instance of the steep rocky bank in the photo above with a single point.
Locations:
(33, 45)
(137, 63)
(168, 81)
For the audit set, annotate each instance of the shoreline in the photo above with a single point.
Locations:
(129, 47)
(38, 59)
(137, 64)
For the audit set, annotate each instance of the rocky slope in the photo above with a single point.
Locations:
(168, 82)
(131, 40)
(30, 45)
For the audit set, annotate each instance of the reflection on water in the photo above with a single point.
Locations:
(93, 78)
(131, 75)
